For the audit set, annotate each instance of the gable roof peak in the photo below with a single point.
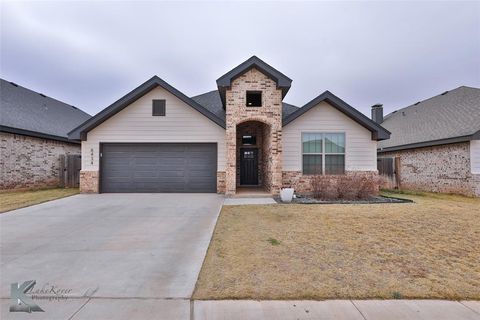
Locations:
(225, 81)
(81, 131)
(378, 132)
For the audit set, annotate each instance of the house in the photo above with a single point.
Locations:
(33, 131)
(156, 139)
(437, 142)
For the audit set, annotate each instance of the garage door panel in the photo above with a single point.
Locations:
(146, 161)
(158, 167)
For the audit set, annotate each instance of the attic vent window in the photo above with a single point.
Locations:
(254, 98)
(158, 108)
(41, 94)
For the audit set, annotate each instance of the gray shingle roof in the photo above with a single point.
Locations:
(213, 103)
(26, 110)
(453, 114)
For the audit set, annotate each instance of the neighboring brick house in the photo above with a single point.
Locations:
(437, 142)
(33, 134)
(156, 139)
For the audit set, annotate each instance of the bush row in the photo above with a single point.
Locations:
(333, 187)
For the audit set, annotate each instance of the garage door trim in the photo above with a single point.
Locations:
(101, 158)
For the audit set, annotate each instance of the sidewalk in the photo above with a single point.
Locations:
(337, 310)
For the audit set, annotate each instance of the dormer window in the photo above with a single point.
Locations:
(254, 98)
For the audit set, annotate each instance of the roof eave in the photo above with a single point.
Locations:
(378, 132)
(430, 143)
(36, 134)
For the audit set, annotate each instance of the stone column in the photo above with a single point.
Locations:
(276, 163)
(231, 165)
(89, 182)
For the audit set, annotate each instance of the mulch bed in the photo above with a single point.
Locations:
(378, 199)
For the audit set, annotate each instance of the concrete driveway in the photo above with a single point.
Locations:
(116, 256)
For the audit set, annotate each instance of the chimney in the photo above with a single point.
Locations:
(377, 113)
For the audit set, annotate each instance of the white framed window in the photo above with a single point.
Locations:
(323, 153)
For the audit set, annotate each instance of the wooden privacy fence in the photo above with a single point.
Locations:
(70, 166)
(389, 168)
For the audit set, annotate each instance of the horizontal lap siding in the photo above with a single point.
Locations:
(361, 153)
(475, 156)
(135, 123)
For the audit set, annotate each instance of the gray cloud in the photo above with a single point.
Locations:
(89, 54)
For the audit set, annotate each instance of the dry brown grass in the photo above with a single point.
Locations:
(427, 249)
(19, 199)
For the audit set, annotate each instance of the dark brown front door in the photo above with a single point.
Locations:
(248, 167)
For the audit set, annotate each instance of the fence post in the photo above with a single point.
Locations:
(397, 172)
(61, 174)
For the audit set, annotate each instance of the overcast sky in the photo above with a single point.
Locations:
(89, 54)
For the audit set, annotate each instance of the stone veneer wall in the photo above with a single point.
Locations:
(89, 182)
(268, 166)
(444, 168)
(221, 182)
(270, 113)
(302, 183)
(28, 162)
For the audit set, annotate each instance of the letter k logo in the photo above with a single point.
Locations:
(19, 301)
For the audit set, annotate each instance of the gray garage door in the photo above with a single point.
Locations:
(159, 167)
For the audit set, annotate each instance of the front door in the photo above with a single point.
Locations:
(249, 167)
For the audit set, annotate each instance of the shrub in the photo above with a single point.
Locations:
(367, 188)
(346, 187)
(324, 187)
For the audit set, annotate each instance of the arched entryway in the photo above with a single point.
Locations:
(253, 169)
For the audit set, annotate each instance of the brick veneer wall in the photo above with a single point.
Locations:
(220, 181)
(270, 114)
(28, 162)
(89, 182)
(302, 183)
(444, 168)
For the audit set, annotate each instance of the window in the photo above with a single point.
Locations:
(249, 140)
(158, 108)
(254, 98)
(323, 153)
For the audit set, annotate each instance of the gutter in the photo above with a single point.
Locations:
(36, 134)
(430, 143)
